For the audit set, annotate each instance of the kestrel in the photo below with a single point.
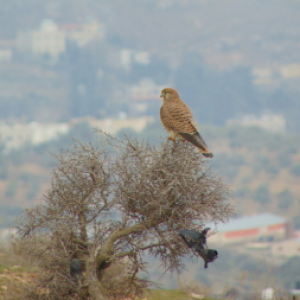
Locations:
(178, 120)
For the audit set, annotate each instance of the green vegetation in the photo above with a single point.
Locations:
(33, 190)
(289, 272)
(9, 213)
(285, 199)
(15, 272)
(11, 189)
(257, 163)
(262, 194)
(295, 170)
(170, 294)
(255, 138)
(242, 192)
(167, 294)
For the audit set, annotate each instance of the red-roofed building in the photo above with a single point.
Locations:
(251, 228)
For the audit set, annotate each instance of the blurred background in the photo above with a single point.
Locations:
(67, 67)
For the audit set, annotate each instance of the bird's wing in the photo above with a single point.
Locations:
(176, 116)
(179, 118)
(196, 139)
(190, 237)
(166, 118)
(192, 234)
(189, 242)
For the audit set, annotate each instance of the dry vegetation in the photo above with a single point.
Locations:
(16, 272)
(107, 206)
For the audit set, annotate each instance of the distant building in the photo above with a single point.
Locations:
(84, 34)
(5, 55)
(7, 233)
(264, 76)
(48, 39)
(128, 57)
(145, 90)
(18, 135)
(250, 228)
(113, 125)
(143, 93)
(269, 122)
(51, 39)
(6, 52)
(290, 70)
(295, 292)
(262, 72)
(267, 294)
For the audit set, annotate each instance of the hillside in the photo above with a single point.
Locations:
(228, 59)
(261, 168)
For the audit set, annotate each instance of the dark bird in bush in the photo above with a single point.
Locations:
(208, 255)
(197, 241)
(75, 270)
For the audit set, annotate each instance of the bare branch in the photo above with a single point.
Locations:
(109, 204)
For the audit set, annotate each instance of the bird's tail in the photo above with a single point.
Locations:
(197, 140)
(206, 152)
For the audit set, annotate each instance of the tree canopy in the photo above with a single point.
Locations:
(110, 204)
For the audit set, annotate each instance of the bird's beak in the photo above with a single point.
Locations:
(161, 95)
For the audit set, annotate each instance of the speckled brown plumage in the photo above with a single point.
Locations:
(178, 120)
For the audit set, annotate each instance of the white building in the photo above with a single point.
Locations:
(48, 39)
(113, 125)
(145, 90)
(18, 134)
(128, 57)
(269, 122)
(250, 228)
(143, 93)
(290, 70)
(85, 33)
(6, 234)
(5, 55)
(51, 39)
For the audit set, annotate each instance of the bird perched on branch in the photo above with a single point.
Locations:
(178, 120)
(197, 241)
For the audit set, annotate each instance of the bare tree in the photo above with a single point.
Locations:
(107, 206)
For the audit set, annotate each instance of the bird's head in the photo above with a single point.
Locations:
(168, 94)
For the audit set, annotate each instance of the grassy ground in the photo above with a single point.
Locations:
(170, 294)
(15, 272)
